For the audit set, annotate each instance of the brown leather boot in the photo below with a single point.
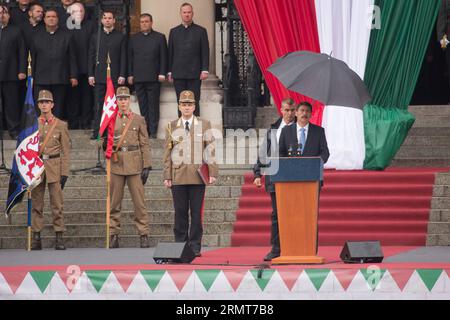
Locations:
(37, 243)
(59, 242)
(144, 242)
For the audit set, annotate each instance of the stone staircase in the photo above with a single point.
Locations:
(85, 203)
(428, 142)
(439, 224)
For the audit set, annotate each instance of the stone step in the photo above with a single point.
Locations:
(427, 141)
(95, 241)
(431, 152)
(442, 215)
(99, 204)
(85, 230)
(432, 121)
(424, 111)
(420, 162)
(226, 178)
(151, 192)
(98, 217)
(430, 131)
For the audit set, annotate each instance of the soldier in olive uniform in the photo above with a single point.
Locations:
(131, 164)
(54, 147)
(186, 141)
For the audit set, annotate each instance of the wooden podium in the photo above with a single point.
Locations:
(297, 185)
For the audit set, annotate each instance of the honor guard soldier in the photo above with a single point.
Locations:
(131, 164)
(189, 147)
(54, 148)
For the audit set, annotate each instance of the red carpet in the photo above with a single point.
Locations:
(392, 206)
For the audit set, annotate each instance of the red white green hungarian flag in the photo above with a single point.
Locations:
(383, 41)
(109, 116)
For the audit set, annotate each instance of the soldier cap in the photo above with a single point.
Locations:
(123, 92)
(187, 96)
(45, 95)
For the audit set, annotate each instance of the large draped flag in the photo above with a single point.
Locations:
(109, 115)
(27, 166)
(383, 41)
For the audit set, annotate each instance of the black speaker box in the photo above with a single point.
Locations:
(173, 252)
(362, 252)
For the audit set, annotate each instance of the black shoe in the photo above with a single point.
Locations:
(144, 242)
(37, 243)
(59, 242)
(270, 256)
(94, 136)
(198, 255)
(114, 241)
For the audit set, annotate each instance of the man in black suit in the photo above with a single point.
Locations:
(34, 24)
(81, 98)
(147, 67)
(304, 139)
(54, 62)
(114, 43)
(188, 55)
(12, 70)
(271, 144)
(19, 12)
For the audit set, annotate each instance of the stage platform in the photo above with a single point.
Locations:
(233, 273)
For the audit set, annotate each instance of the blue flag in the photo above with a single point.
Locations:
(27, 166)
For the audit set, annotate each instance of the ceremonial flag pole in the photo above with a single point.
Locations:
(27, 166)
(109, 115)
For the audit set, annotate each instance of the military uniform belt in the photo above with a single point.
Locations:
(128, 148)
(53, 156)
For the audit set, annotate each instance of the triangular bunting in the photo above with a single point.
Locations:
(179, 277)
(98, 278)
(373, 277)
(152, 277)
(448, 272)
(345, 276)
(70, 277)
(235, 277)
(266, 275)
(207, 277)
(429, 276)
(401, 276)
(125, 278)
(42, 278)
(317, 276)
(290, 277)
(14, 279)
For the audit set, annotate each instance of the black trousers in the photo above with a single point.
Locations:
(59, 92)
(148, 97)
(193, 85)
(275, 233)
(185, 198)
(80, 104)
(11, 107)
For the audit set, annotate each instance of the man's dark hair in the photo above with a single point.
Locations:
(109, 11)
(306, 104)
(51, 10)
(186, 4)
(33, 4)
(147, 15)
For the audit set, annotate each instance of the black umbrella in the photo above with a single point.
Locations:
(321, 77)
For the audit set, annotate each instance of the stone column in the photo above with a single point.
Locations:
(166, 15)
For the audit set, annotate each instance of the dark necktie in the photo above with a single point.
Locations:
(186, 127)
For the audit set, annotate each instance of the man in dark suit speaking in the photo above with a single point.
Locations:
(188, 55)
(304, 139)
